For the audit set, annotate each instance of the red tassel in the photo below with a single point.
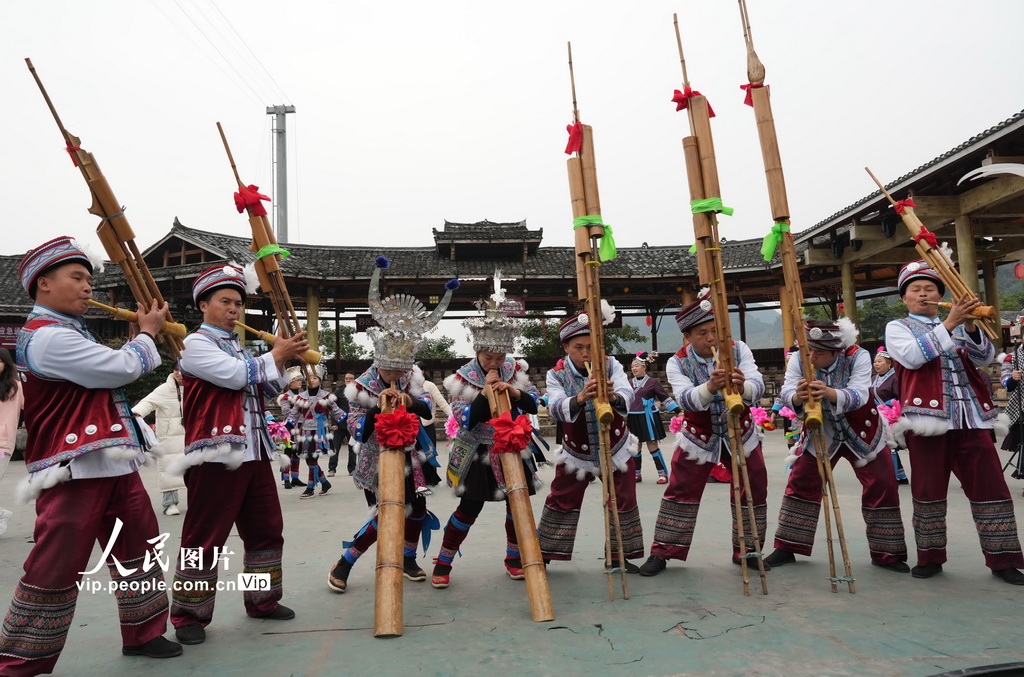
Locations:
(748, 100)
(928, 236)
(902, 204)
(682, 99)
(250, 197)
(575, 137)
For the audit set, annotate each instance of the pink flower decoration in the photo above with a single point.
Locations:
(891, 413)
(675, 424)
(451, 427)
(760, 415)
(786, 412)
(279, 432)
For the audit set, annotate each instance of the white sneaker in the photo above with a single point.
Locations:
(172, 510)
(5, 517)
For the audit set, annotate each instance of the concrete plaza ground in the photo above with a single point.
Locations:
(691, 619)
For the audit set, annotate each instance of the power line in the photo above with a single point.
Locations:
(287, 99)
(217, 49)
(202, 51)
(225, 40)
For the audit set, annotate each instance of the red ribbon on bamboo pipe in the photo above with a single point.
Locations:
(396, 429)
(71, 152)
(928, 236)
(575, 137)
(748, 100)
(511, 436)
(902, 204)
(682, 99)
(249, 196)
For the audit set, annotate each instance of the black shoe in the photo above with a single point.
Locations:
(898, 567)
(325, 487)
(287, 484)
(190, 634)
(337, 580)
(308, 493)
(298, 483)
(281, 613)
(779, 558)
(653, 566)
(753, 564)
(926, 570)
(158, 647)
(1011, 576)
(630, 567)
(412, 571)
(903, 481)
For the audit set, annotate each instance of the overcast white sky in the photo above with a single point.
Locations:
(410, 113)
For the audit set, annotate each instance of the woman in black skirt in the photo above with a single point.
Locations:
(644, 420)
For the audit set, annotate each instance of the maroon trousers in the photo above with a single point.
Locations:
(220, 498)
(972, 457)
(70, 518)
(880, 505)
(677, 517)
(560, 517)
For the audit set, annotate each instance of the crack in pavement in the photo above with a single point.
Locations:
(600, 630)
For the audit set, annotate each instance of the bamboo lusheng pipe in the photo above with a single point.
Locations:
(935, 257)
(537, 591)
(585, 198)
(175, 329)
(310, 357)
(980, 312)
(778, 200)
(387, 595)
(702, 177)
(268, 267)
(114, 231)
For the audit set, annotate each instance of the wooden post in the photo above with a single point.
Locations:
(988, 274)
(653, 314)
(849, 294)
(967, 258)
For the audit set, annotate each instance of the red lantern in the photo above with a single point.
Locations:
(1018, 271)
(648, 318)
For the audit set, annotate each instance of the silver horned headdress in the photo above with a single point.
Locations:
(495, 331)
(402, 320)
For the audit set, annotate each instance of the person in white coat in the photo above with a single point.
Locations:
(165, 400)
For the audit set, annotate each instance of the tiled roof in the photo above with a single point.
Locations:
(976, 144)
(486, 230)
(13, 298)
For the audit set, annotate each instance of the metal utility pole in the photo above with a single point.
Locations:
(281, 167)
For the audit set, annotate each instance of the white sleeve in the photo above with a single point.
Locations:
(794, 374)
(913, 352)
(64, 353)
(857, 391)
(689, 396)
(558, 401)
(621, 383)
(753, 386)
(202, 358)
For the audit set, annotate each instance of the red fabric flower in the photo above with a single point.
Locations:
(928, 236)
(250, 197)
(575, 137)
(511, 437)
(748, 100)
(902, 204)
(397, 429)
(682, 99)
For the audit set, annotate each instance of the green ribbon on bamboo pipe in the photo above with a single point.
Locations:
(711, 204)
(773, 239)
(606, 247)
(272, 249)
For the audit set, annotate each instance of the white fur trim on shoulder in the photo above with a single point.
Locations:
(416, 381)
(29, 488)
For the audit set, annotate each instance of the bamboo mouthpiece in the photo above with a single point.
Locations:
(309, 357)
(175, 329)
(981, 312)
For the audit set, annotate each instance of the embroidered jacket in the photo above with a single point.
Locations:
(363, 394)
(705, 428)
(938, 375)
(854, 419)
(74, 404)
(476, 436)
(225, 387)
(310, 412)
(580, 441)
